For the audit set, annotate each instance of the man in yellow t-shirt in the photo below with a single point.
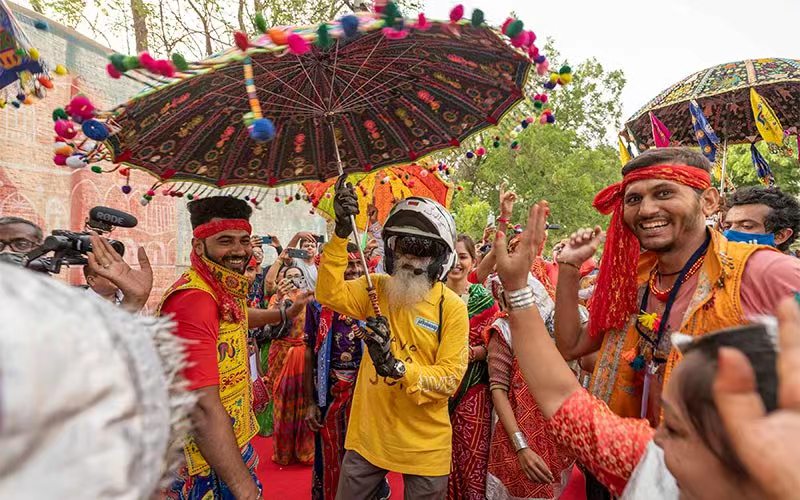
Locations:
(417, 349)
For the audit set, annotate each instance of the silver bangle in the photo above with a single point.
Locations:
(520, 306)
(522, 292)
(519, 441)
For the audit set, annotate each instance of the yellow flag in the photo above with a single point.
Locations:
(624, 155)
(766, 121)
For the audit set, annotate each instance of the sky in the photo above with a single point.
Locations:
(655, 43)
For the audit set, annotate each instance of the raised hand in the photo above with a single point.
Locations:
(345, 205)
(581, 246)
(513, 269)
(372, 212)
(255, 241)
(299, 304)
(765, 444)
(134, 284)
(507, 200)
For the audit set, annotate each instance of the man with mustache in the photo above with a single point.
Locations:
(690, 278)
(209, 306)
(417, 352)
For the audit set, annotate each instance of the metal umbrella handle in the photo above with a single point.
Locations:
(373, 294)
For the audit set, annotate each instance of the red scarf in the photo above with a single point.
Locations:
(227, 285)
(615, 294)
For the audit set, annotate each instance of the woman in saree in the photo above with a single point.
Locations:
(471, 406)
(293, 441)
(717, 438)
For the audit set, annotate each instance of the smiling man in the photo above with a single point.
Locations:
(689, 278)
(209, 306)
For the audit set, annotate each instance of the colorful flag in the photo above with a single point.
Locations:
(624, 153)
(767, 122)
(661, 133)
(762, 167)
(705, 135)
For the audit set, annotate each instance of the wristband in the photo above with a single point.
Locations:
(565, 263)
(502, 220)
(519, 441)
(520, 299)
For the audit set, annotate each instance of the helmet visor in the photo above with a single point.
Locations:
(416, 246)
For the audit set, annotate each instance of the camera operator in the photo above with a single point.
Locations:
(18, 236)
(106, 263)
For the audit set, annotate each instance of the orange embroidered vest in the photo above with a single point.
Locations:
(715, 304)
(234, 374)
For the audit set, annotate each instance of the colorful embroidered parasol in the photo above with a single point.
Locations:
(367, 91)
(723, 93)
(388, 90)
(383, 189)
(23, 74)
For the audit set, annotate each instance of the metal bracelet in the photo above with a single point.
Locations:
(519, 441)
(521, 305)
(522, 292)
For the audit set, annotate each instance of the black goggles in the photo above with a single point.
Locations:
(416, 246)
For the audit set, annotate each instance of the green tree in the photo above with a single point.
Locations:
(742, 172)
(566, 163)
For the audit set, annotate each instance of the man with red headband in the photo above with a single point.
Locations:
(688, 278)
(209, 305)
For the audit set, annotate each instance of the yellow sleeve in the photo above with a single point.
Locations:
(437, 382)
(345, 297)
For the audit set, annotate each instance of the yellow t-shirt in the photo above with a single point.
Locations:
(402, 425)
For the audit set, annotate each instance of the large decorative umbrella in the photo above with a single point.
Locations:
(23, 74)
(364, 92)
(383, 189)
(723, 94)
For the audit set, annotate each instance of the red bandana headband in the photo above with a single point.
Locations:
(615, 293)
(351, 256)
(209, 229)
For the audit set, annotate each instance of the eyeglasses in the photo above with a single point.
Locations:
(18, 245)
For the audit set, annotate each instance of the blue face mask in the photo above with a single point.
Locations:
(753, 238)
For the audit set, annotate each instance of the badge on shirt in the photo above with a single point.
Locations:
(427, 324)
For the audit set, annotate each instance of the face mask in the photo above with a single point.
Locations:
(752, 238)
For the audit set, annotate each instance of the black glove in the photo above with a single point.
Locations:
(345, 204)
(379, 340)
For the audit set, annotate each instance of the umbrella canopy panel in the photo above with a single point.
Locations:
(390, 101)
(723, 93)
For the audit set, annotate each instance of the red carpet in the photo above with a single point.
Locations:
(294, 482)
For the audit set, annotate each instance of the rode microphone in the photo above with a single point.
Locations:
(104, 219)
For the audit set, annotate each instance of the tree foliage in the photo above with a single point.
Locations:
(742, 172)
(566, 163)
(195, 28)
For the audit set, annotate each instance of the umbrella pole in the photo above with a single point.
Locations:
(373, 294)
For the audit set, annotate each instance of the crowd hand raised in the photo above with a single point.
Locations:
(379, 341)
(507, 200)
(255, 241)
(276, 243)
(313, 417)
(581, 246)
(513, 269)
(299, 304)
(345, 204)
(534, 467)
(372, 212)
(766, 444)
(134, 284)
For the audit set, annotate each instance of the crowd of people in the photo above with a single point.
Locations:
(474, 370)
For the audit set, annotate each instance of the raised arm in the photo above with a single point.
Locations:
(572, 338)
(609, 445)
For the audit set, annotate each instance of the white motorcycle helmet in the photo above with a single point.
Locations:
(426, 225)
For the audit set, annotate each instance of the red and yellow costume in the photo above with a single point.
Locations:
(209, 305)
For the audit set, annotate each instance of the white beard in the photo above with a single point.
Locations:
(404, 288)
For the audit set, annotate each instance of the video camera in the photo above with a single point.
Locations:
(70, 248)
